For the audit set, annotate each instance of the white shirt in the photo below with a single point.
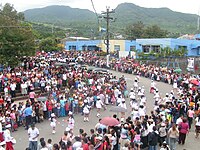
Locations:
(123, 105)
(77, 144)
(197, 121)
(178, 121)
(64, 76)
(99, 103)
(13, 86)
(33, 133)
(45, 148)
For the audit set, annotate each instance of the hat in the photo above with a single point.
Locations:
(8, 126)
(131, 89)
(167, 94)
(53, 115)
(85, 101)
(98, 97)
(163, 124)
(70, 113)
(67, 129)
(164, 142)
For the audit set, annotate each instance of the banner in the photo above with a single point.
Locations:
(190, 64)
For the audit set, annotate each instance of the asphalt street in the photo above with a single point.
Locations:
(45, 129)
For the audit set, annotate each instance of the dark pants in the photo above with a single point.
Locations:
(45, 114)
(28, 121)
(182, 138)
(42, 89)
(161, 140)
(12, 93)
(190, 122)
(144, 140)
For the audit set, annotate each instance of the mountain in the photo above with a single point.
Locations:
(164, 17)
(126, 14)
(56, 14)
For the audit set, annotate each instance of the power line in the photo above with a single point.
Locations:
(95, 13)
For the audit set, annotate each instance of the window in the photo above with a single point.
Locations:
(155, 48)
(182, 47)
(84, 47)
(116, 47)
(72, 47)
(132, 48)
(146, 48)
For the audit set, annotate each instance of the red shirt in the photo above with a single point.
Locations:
(85, 147)
(1, 101)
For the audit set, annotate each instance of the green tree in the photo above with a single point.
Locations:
(49, 44)
(181, 52)
(138, 30)
(16, 38)
(166, 52)
(155, 31)
(135, 31)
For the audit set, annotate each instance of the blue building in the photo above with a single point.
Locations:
(148, 45)
(141, 45)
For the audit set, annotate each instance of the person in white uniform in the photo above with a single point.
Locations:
(86, 110)
(53, 122)
(71, 121)
(123, 105)
(99, 105)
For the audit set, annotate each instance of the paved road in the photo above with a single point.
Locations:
(45, 129)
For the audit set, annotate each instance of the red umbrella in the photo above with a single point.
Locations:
(109, 121)
(195, 81)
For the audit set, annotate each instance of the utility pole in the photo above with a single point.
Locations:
(106, 42)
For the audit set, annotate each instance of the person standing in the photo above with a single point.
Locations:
(190, 115)
(86, 110)
(23, 88)
(99, 105)
(28, 115)
(173, 134)
(183, 130)
(153, 139)
(123, 105)
(71, 121)
(12, 89)
(197, 126)
(53, 123)
(162, 133)
(32, 96)
(33, 133)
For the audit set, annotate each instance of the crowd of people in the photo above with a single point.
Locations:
(67, 87)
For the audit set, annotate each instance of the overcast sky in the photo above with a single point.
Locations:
(186, 6)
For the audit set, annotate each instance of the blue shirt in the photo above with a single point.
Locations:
(28, 111)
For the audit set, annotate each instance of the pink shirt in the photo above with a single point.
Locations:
(184, 128)
(12, 115)
(190, 113)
